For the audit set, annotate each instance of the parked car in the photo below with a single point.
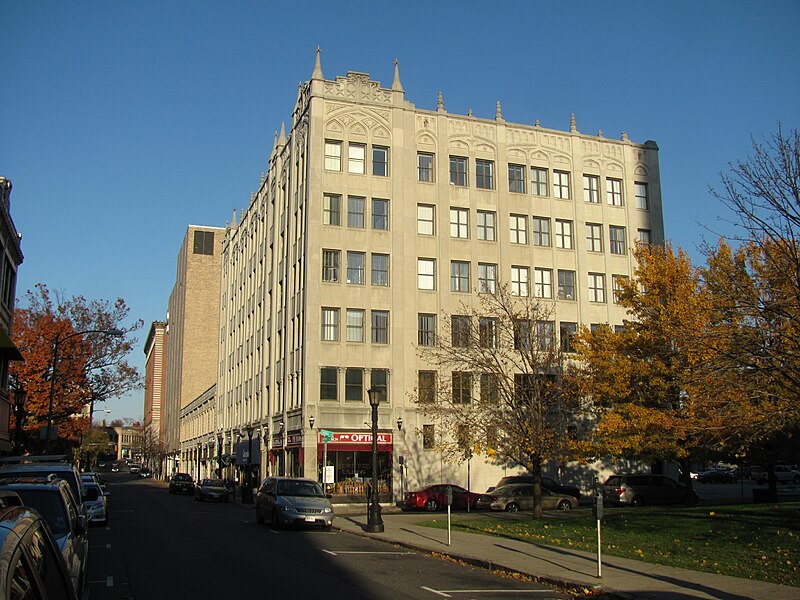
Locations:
(716, 476)
(181, 483)
(783, 474)
(134, 468)
(31, 565)
(638, 489)
(96, 505)
(519, 496)
(211, 489)
(434, 497)
(42, 466)
(89, 476)
(290, 501)
(547, 482)
(145, 472)
(52, 498)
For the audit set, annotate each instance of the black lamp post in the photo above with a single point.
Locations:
(199, 446)
(19, 417)
(219, 452)
(58, 340)
(247, 490)
(374, 520)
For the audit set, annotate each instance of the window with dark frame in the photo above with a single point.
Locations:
(204, 242)
(380, 161)
(327, 383)
(426, 329)
(516, 178)
(354, 384)
(462, 387)
(484, 174)
(458, 171)
(380, 326)
(460, 330)
(425, 167)
(426, 386)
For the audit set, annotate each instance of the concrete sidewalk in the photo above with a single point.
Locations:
(561, 567)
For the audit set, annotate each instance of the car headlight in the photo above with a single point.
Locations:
(327, 510)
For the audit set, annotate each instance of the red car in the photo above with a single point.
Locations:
(434, 497)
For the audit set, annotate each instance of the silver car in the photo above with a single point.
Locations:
(96, 505)
(288, 501)
(519, 496)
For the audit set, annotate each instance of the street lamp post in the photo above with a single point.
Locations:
(247, 490)
(19, 417)
(374, 520)
(219, 451)
(59, 340)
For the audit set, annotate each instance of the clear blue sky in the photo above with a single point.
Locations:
(124, 122)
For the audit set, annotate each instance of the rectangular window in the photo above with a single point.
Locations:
(519, 281)
(545, 335)
(561, 185)
(567, 333)
(380, 214)
(543, 283)
(428, 437)
(203, 243)
(541, 231)
(354, 384)
(487, 277)
(640, 191)
(356, 267)
(333, 155)
(425, 219)
(522, 334)
(380, 326)
(328, 383)
(462, 387)
(355, 325)
(379, 380)
(425, 166)
(564, 234)
(356, 157)
(597, 287)
(594, 237)
(614, 191)
(538, 181)
(426, 273)
(645, 236)
(487, 332)
(330, 324)
(616, 239)
(458, 171)
(591, 189)
(490, 388)
(459, 223)
(566, 285)
(518, 227)
(426, 387)
(516, 178)
(460, 331)
(617, 281)
(487, 226)
(355, 211)
(426, 329)
(331, 209)
(484, 174)
(459, 276)
(380, 269)
(330, 265)
(380, 161)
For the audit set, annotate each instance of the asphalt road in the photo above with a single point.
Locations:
(159, 546)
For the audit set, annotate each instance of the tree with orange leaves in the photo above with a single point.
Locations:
(89, 366)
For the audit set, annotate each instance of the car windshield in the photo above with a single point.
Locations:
(309, 489)
(213, 483)
(50, 505)
(182, 477)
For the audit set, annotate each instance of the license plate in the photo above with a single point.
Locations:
(310, 519)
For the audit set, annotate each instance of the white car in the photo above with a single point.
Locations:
(96, 504)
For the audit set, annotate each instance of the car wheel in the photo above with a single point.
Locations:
(259, 519)
(431, 505)
(565, 505)
(512, 507)
(275, 523)
(637, 502)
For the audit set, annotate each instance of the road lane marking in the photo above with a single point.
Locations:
(109, 582)
(338, 552)
(448, 593)
(438, 593)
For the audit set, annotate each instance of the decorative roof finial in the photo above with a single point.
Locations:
(469, 112)
(440, 102)
(625, 136)
(498, 112)
(396, 85)
(317, 74)
(537, 123)
(599, 133)
(282, 138)
(572, 126)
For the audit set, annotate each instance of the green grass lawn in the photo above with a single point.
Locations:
(757, 541)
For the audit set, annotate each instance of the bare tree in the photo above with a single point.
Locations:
(497, 384)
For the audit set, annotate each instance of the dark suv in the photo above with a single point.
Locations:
(638, 489)
(181, 483)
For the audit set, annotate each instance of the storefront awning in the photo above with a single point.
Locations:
(7, 348)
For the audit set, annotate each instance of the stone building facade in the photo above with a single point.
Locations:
(373, 220)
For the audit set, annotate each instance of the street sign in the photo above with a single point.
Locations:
(327, 436)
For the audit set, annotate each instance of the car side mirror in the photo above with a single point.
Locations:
(80, 525)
